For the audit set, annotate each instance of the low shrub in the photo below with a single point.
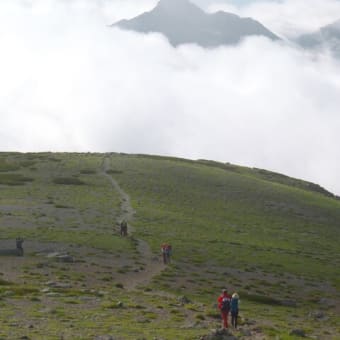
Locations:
(114, 172)
(5, 283)
(14, 179)
(87, 172)
(68, 181)
(262, 299)
(6, 166)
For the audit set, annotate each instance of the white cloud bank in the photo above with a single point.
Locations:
(287, 18)
(70, 83)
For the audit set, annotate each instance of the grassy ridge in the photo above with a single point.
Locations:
(270, 237)
(226, 214)
(236, 230)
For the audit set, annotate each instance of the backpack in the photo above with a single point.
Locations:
(234, 304)
(225, 305)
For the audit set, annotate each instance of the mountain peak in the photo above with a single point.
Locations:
(182, 22)
(326, 37)
(178, 7)
(174, 3)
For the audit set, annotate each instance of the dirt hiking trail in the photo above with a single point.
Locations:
(152, 264)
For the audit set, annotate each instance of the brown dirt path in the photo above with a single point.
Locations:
(152, 264)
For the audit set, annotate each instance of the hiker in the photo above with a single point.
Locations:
(123, 228)
(19, 241)
(234, 309)
(168, 253)
(164, 247)
(224, 306)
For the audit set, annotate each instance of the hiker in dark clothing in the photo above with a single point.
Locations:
(234, 309)
(123, 228)
(224, 306)
(168, 253)
(19, 241)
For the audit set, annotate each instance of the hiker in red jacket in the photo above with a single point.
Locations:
(164, 247)
(224, 306)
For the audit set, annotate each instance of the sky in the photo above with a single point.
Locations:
(68, 82)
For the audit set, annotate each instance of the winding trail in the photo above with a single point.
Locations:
(152, 265)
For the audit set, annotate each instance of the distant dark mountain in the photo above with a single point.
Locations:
(183, 22)
(326, 37)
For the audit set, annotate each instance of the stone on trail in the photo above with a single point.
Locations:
(249, 322)
(60, 285)
(53, 294)
(219, 334)
(289, 303)
(183, 300)
(318, 315)
(245, 332)
(61, 257)
(65, 258)
(327, 302)
(298, 332)
(104, 337)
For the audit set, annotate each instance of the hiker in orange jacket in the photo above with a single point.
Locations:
(224, 306)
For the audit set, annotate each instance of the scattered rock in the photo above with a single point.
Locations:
(100, 293)
(249, 322)
(53, 294)
(257, 329)
(142, 319)
(8, 293)
(61, 257)
(298, 332)
(183, 300)
(289, 303)
(327, 302)
(318, 315)
(219, 334)
(61, 285)
(245, 332)
(65, 258)
(53, 254)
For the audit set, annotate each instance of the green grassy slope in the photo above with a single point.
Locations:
(226, 218)
(271, 238)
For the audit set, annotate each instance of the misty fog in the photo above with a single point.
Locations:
(68, 82)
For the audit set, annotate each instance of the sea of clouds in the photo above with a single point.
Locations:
(69, 82)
